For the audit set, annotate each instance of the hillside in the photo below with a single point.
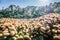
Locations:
(15, 11)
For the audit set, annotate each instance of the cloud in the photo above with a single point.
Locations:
(44, 2)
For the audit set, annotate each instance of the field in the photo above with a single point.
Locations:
(46, 27)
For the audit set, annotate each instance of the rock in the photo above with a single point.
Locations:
(6, 34)
(1, 34)
(48, 24)
(12, 33)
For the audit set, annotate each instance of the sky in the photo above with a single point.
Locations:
(24, 3)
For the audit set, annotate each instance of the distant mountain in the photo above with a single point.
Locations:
(14, 11)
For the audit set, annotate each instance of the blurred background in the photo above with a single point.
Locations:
(28, 8)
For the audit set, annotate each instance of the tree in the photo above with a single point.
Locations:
(57, 10)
